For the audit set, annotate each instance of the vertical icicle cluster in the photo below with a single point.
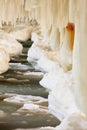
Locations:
(80, 52)
(17, 10)
(11, 10)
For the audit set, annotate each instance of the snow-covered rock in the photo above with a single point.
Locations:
(4, 60)
(21, 32)
(11, 46)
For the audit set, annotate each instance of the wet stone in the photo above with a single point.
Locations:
(18, 83)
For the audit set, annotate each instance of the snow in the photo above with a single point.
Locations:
(39, 56)
(33, 107)
(8, 47)
(30, 106)
(9, 43)
(60, 85)
(21, 33)
(29, 103)
(76, 121)
(34, 73)
(41, 128)
(4, 60)
(60, 98)
(46, 65)
(25, 99)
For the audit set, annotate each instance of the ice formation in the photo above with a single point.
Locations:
(59, 50)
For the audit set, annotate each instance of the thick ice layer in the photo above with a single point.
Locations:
(59, 82)
(55, 80)
(47, 63)
(65, 58)
(36, 35)
(4, 60)
(57, 77)
(42, 57)
(21, 32)
(30, 106)
(37, 50)
(60, 85)
(34, 53)
(25, 99)
(11, 46)
(61, 98)
(75, 121)
(42, 128)
(36, 38)
(34, 73)
(29, 103)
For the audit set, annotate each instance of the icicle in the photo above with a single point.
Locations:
(65, 53)
(55, 38)
(74, 11)
(80, 58)
(63, 13)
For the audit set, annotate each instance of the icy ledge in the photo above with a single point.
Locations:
(60, 86)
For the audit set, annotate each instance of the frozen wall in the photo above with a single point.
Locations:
(59, 49)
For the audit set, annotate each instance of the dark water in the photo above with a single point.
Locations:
(14, 82)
